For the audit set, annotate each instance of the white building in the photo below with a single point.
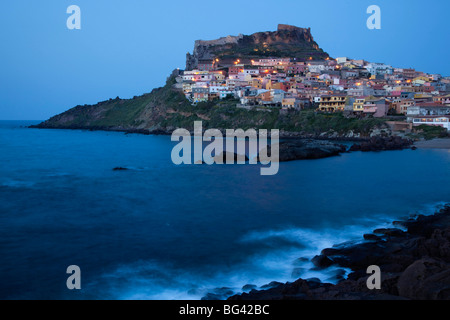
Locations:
(342, 60)
(379, 68)
(442, 121)
(361, 91)
(217, 89)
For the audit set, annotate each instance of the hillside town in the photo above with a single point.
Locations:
(356, 88)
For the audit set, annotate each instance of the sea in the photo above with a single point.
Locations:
(162, 231)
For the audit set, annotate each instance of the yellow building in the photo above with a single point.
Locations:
(332, 103)
(273, 85)
(256, 83)
(421, 95)
(289, 103)
(425, 79)
(358, 105)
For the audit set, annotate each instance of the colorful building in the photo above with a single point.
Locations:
(332, 103)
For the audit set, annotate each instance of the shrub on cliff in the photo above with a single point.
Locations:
(430, 132)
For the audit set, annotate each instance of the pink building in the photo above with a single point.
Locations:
(207, 65)
(377, 108)
(271, 62)
(295, 68)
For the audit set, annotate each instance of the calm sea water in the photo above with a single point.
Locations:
(161, 231)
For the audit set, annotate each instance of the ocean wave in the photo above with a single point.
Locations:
(429, 208)
(151, 280)
(17, 184)
(154, 280)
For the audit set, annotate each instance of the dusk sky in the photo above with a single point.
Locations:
(127, 48)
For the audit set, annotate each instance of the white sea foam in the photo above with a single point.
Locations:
(154, 280)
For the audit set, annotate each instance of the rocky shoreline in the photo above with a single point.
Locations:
(294, 145)
(414, 259)
(301, 149)
(164, 131)
(382, 144)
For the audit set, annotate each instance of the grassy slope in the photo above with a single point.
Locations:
(166, 109)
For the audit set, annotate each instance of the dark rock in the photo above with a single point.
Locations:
(307, 150)
(218, 294)
(270, 285)
(382, 143)
(392, 232)
(249, 287)
(322, 261)
(314, 280)
(120, 169)
(402, 224)
(426, 278)
(290, 40)
(371, 236)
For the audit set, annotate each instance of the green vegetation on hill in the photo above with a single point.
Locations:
(224, 114)
(165, 109)
(428, 132)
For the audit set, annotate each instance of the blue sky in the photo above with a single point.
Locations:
(126, 48)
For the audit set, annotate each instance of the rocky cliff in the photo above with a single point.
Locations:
(287, 41)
